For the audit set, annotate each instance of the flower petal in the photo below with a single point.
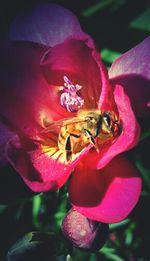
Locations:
(106, 195)
(25, 97)
(132, 71)
(77, 59)
(46, 24)
(130, 129)
(39, 171)
(106, 99)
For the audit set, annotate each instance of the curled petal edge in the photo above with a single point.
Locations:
(106, 195)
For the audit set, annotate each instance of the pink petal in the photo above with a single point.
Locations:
(77, 59)
(106, 100)
(46, 24)
(132, 70)
(130, 129)
(25, 96)
(106, 195)
(39, 171)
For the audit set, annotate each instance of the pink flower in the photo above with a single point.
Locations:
(60, 113)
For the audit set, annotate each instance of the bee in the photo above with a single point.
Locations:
(88, 127)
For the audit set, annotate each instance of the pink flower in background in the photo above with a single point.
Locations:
(61, 114)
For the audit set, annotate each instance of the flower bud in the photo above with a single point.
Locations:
(84, 233)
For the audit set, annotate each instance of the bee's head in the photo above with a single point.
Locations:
(111, 124)
(92, 116)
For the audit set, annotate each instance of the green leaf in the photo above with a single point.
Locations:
(144, 172)
(97, 7)
(142, 22)
(62, 210)
(36, 246)
(2, 208)
(145, 135)
(129, 238)
(107, 249)
(109, 255)
(119, 224)
(36, 205)
(129, 234)
(145, 194)
(109, 55)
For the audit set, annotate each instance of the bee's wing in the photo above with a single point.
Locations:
(60, 123)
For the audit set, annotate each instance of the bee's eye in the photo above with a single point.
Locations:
(107, 119)
(89, 118)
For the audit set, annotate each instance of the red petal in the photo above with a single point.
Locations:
(78, 60)
(39, 171)
(46, 24)
(25, 96)
(130, 129)
(106, 195)
(106, 100)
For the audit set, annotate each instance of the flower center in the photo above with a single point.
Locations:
(70, 97)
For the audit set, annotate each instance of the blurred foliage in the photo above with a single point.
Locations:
(116, 26)
(142, 21)
(34, 245)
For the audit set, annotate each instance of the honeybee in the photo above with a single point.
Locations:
(88, 127)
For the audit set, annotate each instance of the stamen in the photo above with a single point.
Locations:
(70, 98)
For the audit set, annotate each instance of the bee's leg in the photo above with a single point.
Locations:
(89, 134)
(92, 139)
(98, 127)
(68, 148)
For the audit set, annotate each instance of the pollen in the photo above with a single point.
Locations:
(70, 97)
